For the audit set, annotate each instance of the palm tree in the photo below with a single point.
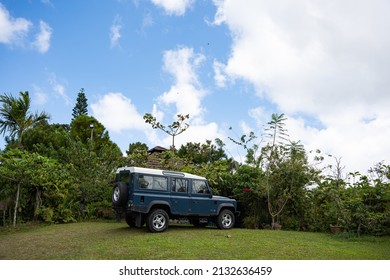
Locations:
(15, 116)
(16, 119)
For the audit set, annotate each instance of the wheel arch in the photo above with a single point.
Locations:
(224, 206)
(160, 204)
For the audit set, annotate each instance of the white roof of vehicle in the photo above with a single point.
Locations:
(151, 171)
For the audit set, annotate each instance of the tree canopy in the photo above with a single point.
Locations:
(15, 116)
(59, 173)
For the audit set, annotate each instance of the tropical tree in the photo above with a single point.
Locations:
(202, 152)
(279, 176)
(174, 129)
(32, 175)
(89, 131)
(15, 116)
(273, 154)
(137, 154)
(16, 119)
(50, 140)
(81, 107)
(245, 141)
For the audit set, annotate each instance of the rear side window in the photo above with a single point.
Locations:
(124, 177)
(152, 182)
(179, 185)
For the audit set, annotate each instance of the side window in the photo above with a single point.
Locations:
(199, 186)
(179, 185)
(124, 177)
(152, 182)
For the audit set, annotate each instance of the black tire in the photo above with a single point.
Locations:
(131, 220)
(225, 219)
(157, 220)
(119, 194)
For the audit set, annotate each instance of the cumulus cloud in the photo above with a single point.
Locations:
(326, 60)
(15, 31)
(186, 92)
(196, 133)
(359, 144)
(199, 133)
(174, 7)
(117, 113)
(186, 95)
(12, 30)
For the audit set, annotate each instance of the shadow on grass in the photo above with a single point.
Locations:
(172, 227)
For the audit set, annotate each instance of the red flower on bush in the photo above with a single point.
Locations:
(246, 189)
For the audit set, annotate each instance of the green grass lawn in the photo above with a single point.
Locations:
(109, 240)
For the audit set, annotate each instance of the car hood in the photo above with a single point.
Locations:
(218, 197)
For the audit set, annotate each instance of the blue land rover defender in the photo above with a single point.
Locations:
(154, 197)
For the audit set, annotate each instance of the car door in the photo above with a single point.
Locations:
(180, 200)
(200, 198)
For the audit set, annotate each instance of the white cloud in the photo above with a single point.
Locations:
(196, 133)
(12, 30)
(360, 144)
(186, 92)
(117, 113)
(174, 7)
(58, 88)
(326, 60)
(261, 116)
(40, 97)
(246, 129)
(15, 31)
(115, 31)
(42, 41)
(220, 77)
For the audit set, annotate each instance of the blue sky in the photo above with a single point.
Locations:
(226, 63)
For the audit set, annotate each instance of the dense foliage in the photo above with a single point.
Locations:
(60, 173)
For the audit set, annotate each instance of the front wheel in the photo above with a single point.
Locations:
(157, 220)
(225, 219)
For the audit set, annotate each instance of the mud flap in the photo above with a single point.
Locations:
(138, 220)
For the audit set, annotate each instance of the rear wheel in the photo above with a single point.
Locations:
(225, 219)
(131, 220)
(157, 220)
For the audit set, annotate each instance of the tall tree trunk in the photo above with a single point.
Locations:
(16, 204)
(3, 207)
(38, 202)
